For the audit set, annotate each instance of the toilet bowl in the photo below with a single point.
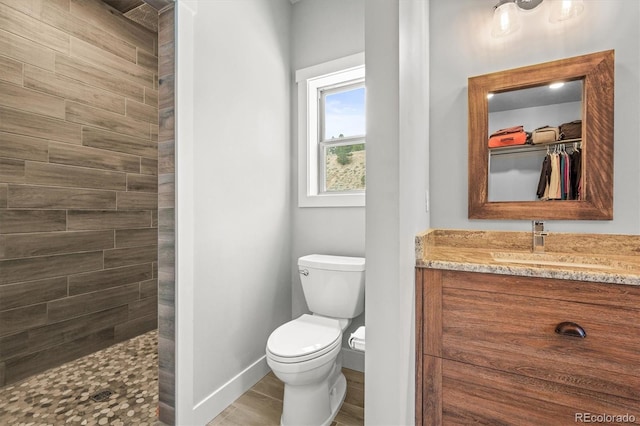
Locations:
(314, 384)
(305, 352)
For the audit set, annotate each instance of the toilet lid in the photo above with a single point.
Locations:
(304, 336)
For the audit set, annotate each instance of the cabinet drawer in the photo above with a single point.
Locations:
(477, 395)
(513, 330)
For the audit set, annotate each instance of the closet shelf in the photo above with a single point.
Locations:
(530, 148)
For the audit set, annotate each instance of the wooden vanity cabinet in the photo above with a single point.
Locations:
(487, 350)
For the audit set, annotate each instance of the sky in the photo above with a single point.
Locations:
(345, 113)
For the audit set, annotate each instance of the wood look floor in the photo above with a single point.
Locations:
(262, 404)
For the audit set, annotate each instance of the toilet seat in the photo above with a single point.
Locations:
(303, 339)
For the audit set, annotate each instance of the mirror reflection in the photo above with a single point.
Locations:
(530, 157)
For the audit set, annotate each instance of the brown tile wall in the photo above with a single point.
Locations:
(166, 215)
(78, 182)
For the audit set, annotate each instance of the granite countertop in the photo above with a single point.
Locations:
(605, 258)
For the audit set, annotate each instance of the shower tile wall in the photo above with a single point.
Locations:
(78, 182)
(166, 216)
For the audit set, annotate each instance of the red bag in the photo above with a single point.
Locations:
(506, 137)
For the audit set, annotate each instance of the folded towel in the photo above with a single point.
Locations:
(356, 340)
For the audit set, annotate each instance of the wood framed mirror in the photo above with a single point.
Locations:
(595, 72)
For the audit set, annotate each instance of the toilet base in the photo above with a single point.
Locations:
(325, 403)
(337, 396)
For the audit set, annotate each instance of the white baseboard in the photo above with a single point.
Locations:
(207, 409)
(353, 359)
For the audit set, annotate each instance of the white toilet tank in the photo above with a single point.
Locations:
(333, 285)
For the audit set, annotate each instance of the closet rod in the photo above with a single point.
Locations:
(529, 148)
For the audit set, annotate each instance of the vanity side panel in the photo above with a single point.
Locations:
(428, 344)
(418, 342)
(432, 279)
(432, 391)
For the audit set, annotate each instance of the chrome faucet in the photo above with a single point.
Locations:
(538, 236)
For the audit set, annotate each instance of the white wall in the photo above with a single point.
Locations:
(323, 30)
(238, 235)
(233, 196)
(463, 47)
(397, 45)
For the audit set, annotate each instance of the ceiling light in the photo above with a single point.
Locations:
(556, 85)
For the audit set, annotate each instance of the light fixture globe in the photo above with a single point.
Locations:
(562, 10)
(505, 19)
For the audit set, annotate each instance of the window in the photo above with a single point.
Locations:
(331, 132)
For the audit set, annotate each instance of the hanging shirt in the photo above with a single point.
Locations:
(576, 173)
(563, 169)
(545, 175)
(554, 181)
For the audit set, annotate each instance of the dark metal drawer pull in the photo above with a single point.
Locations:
(570, 329)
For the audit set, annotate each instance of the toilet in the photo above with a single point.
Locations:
(305, 352)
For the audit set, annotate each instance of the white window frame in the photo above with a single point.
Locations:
(309, 80)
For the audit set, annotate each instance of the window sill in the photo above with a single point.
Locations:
(332, 200)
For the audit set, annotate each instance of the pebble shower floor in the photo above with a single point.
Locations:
(63, 395)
